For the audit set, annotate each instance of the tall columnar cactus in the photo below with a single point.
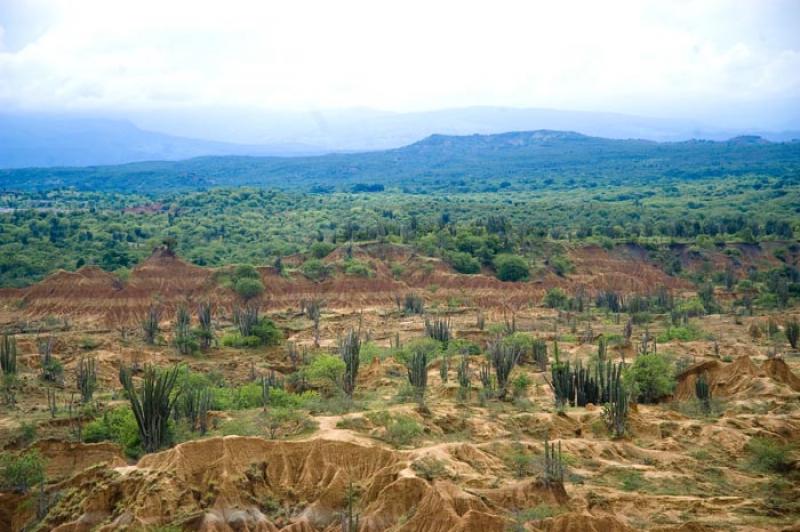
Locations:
(246, 318)
(52, 403)
(602, 349)
(464, 377)
(87, 378)
(563, 385)
(205, 320)
(792, 330)
(616, 409)
(417, 366)
(553, 463)
(194, 404)
(8, 354)
(586, 386)
(150, 324)
(438, 329)
(313, 311)
(350, 519)
(51, 368)
(184, 340)
(702, 390)
(349, 350)
(484, 372)
(503, 358)
(540, 354)
(444, 367)
(152, 404)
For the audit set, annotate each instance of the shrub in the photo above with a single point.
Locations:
(561, 265)
(400, 430)
(357, 268)
(328, 369)
(464, 262)
(511, 268)
(683, 334)
(248, 288)
(650, 378)
(555, 298)
(19, 472)
(769, 455)
(320, 250)
(315, 269)
(119, 426)
(235, 339)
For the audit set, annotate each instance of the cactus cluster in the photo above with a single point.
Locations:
(152, 404)
(616, 408)
(184, 339)
(503, 358)
(553, 464)
(464, 377)
(206, 325)
(194, 404)
(150, 324)
(349, 350)
(417, 366)
(87, 378)
(8, 355)
(539, 349)
(438, 329)
(702, 391)
(246, 318)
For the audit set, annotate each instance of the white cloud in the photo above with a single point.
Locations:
(628, 56)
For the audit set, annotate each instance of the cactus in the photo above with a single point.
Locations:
(184, 339)
(52, 369)
(444, 367)
(194, 405)
(627, 332)
(480, 320)
(486, 378)
(540, 353)
(792, 330)
(703, 392)
(313, 311)
(553, 464)
(438, 330)
(615, 410)
(350, 519)
(503, 358)
(464, 376)
(152, 404)
(413, 304)
(245, 318)
(52, 403)
(417, 367)
(349, 349)
(87, 378)
(150, 324)
(206, 329)
(8, 355)
(602, 349)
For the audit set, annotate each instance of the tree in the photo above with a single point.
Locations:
(464, 262)
(248, 288)
(650, 378)
(511, 268)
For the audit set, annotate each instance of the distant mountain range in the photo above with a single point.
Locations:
(42, 140)
(526, 160)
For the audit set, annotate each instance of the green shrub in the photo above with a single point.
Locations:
(264, 332)
(118, 426)
(328, 369)
(555, 298)
(20, 472)
(248, 288)
(464, 262)
(650, 377)
(511, 268)
(561, 265)
(357, 268)
(400, 430)
(769, 456)
(683, 334)
(315, 269)
(320, 250)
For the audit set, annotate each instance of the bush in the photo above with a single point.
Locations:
(320, 250)
(328, 369)
(357, 268)
(315, 269)
(768, 455)
(464, 262)
(248, 288)
(400, 430)
(118, 426)
(555, 298)
(683, 334)
(650, 378)
(235, 339)
(19, 472)
(511, 268)
(264, 332)
(561, 265)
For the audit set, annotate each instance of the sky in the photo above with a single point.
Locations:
(726, 61)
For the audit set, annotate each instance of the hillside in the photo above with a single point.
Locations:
(44, 140)
(525, 160)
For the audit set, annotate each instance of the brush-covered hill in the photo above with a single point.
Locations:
(522, 160)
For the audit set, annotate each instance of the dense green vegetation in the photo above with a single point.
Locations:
(749, 192)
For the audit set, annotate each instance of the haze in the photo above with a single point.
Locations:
(732, 63)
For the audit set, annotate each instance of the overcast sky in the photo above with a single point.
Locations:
(729, 60)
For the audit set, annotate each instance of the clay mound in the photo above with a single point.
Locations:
(64, 459)
(741, 379)
(574, 522)
(229, 483)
